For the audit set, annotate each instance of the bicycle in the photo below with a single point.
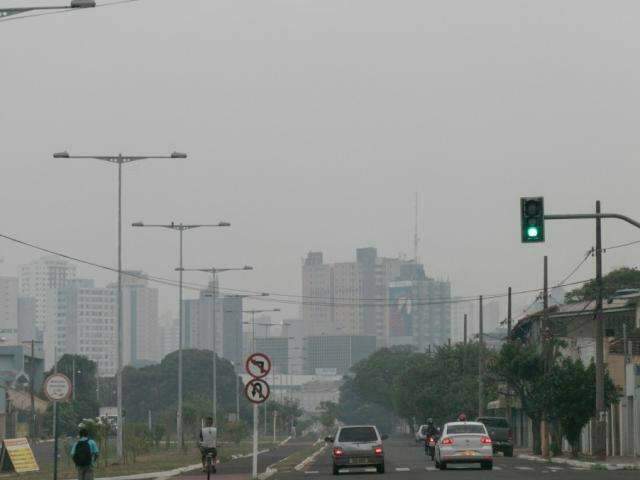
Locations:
(210, 464)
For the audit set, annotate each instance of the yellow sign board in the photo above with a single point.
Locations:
(19, 453)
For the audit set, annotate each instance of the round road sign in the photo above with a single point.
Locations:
(257, 390)
(57, 387)
(258, 365)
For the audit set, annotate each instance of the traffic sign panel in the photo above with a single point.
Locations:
(258, 365)
(57, 387)
(257, 390)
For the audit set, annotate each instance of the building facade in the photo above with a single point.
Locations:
(336, 354)
(9, 310)
(38, 278)
(277, 349)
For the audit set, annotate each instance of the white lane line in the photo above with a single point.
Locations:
(430, 469)
(497, 468)
(524, 468)
(402, 469)
(313, 472)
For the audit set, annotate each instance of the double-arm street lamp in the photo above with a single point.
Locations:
(214, 274)
(119, 159)
(180, 227)
(6, 11)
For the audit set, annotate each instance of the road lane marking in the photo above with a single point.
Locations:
(524, 468)
(402, 469)
(430, 469)
(313, 472)
(497, 468)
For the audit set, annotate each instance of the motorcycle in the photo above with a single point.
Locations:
(430, 444)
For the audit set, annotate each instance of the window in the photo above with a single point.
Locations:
(358, 434)
(494, 422)
(468, 428)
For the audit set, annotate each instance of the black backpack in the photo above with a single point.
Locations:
(82, 456)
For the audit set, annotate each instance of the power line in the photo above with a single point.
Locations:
(328, 303)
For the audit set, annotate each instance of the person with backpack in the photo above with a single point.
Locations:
(84, 454)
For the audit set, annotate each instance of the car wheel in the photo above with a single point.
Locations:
(487, 466)
(442, 466)
(336, 469)
(508, 452)
(380, 468)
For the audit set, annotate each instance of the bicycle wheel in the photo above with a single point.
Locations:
(209, 467)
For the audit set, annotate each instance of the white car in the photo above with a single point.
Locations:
(464, 442)
(421, 433)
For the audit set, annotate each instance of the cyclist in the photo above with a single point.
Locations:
(208, 442)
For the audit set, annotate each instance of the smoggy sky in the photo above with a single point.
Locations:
(310, 124)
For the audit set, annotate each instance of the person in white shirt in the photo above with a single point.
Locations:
(208, 442)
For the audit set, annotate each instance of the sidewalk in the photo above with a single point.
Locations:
(612, 463)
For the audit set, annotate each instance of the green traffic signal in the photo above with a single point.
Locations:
(532, 219)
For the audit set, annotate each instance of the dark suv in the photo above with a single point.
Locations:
(500, 433)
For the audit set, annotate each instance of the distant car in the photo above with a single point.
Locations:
(421, 434)
(500, 433)
(357, 446)
(464, 442)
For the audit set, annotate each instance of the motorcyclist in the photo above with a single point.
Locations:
(431, 429)
(462, 417)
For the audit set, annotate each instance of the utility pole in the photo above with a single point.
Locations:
(545, 340)
(509, 320)
(480, 362)
(625, 346)
(600, 449)
(464, 330)
(31, 392)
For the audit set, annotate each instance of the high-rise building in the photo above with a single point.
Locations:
(85, 320)
(27, 320)
(348, 298)
(198, 319)
(336, 354)
(169, 332)
(419, 309)
(141, 336)
(277, 349)
(9, 310)
(37, 278)
(293, 329)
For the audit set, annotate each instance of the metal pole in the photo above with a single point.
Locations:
(120, 420)
(215, 373)
(464, 330)
(73, 378)
(275, 416)
(254, 462)
(600, 450)
(237, 397)
(509, 320)
(546, 351)
(31, 392)
(481, 363)
(624, 339)
(180, 341)
(55, 421)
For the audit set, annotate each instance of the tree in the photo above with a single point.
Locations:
(573, 393)
(328, 413)
(618, 279)
(521, 367)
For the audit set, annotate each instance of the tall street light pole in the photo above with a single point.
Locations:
(214, 273)
(7, 11)
(120, 159)
(180, 227)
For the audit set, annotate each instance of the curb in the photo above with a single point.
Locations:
(155, 475)
(245, 455)
(269, 472)
(309, 459)
(582, 464)
(285, 441)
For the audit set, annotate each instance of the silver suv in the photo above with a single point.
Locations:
(357, 446)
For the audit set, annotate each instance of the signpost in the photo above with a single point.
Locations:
(57, 388)
(257, 391)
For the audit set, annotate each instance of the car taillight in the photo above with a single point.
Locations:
(338, 452)
(377, 451)
(485, 440)
(447, 441)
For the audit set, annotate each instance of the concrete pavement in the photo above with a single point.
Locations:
(405, 459)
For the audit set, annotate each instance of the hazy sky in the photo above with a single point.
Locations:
(310, 124)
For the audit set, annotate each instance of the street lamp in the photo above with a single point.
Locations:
(5, 12)
(118, 159)
(180, 227)
(214, 273)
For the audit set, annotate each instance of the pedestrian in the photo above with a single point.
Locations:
(84, 454)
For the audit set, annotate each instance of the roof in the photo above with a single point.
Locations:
(462, 423)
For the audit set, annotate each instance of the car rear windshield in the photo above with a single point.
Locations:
(358, 434)
(460, 429)
(494, 422)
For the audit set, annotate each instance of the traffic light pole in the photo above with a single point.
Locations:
(600, 449)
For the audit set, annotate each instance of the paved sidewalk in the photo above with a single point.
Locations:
(613, 463)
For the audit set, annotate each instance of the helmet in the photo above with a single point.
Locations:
(429, 421)
(462, 417)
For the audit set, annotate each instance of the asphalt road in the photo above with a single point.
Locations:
(404, 459)
(240, 469)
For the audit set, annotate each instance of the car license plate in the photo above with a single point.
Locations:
(357, 461)
(469, 453)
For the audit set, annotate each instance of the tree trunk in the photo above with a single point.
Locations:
(537, 439)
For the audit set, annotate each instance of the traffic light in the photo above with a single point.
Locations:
(532, 218)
